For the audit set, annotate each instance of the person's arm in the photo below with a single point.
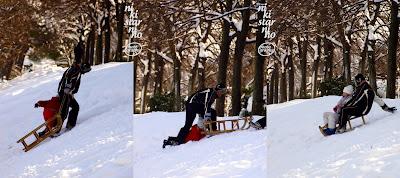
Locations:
(41, 103)
(209, 100)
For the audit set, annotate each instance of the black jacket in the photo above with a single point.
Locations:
(71, 79)
(362, 98)
(205, 98)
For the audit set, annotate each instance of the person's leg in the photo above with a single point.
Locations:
(325, 117)
(332, 120)
(345, 114)
(65, 106)
(73, 114)
(213, 118)
(190, 116)
(262, 122)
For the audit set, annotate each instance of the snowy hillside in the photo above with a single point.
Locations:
(237, 154)
(99, 146)
(296, 148)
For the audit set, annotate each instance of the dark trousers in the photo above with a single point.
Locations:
(69, 102)
(346, 113)
(262, 122)
(191, 110)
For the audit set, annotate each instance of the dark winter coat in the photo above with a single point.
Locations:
(71, 79)
(362, 99)
(203, 98)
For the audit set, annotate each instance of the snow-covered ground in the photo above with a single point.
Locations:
(237, 154)
(296, 148)
(101, 144)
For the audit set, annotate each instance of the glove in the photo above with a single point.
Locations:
(36, 105)
(200, 122)
(335, 108)
(67, 91)
(388, 109)
(207, 116)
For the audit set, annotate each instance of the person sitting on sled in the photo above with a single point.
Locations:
(361, 103)
(198, 103)
(50, 109)
(331, 118)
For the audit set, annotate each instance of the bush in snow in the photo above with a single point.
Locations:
(332, 86)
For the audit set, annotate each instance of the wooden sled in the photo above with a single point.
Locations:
(39, 139)
(222, 126)
(51, 131)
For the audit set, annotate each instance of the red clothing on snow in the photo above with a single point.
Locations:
(51, 108)
(194, 134)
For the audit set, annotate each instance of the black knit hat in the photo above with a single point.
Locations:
(358, 79)
(220, 86)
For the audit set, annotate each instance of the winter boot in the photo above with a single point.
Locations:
(329, 131)
(172, 141)
(255, 125)
(43, 132)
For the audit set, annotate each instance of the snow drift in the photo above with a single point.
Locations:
(236, 154)
(296, 148)
(101, 143)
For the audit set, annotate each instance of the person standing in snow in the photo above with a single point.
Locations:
(361, 103)
(198, 103)
(331, 118)
(69, 85)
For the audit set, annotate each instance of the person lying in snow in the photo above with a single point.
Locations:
(361, 103)
(331, 118)
(50, 109)
(198, 103)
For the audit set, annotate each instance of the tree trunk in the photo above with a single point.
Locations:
(176, 63)
(316, 68)
(145, 83)
(328, 53)
(271, 87)
(237, 61)
(276, 83)
(193, 75)
(303, 66)
(392, 49)
(370, 47)
(291, 70)
(107, 33)
(258, 87)
(99, 48)
(120, 8)
(92, 37)
(342, 35)
(224, 59)
(159, 72)
(371, 66)
(283, 85)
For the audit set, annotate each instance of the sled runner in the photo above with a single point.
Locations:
(222, 125)
(362, 117)
(34, 132)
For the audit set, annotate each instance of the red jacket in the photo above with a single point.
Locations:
(194, 134)
(51, 108)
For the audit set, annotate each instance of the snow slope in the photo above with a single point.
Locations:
(296, 148)
(237, 154)
(99, 146)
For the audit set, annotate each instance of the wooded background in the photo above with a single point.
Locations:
(192, 44)
(51, 29)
